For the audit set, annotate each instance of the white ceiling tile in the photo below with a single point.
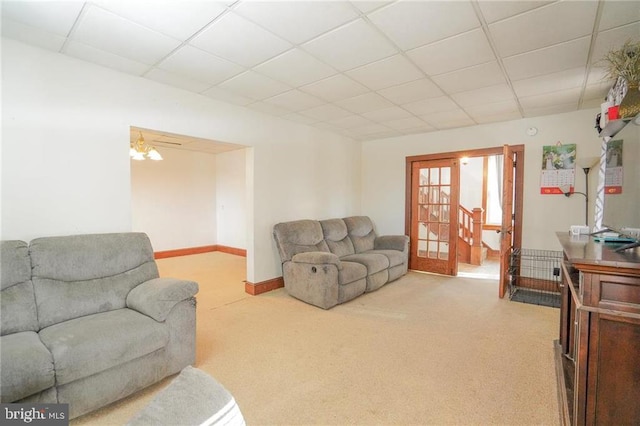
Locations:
(550, 110)
(253, 85)
(414, 23)
(295, 68)
(327, 126)
(548, 60)
(500, 92)
(386, 72)
(227, 96)
(200, 65)
(550, 82)
(387, 114)
(238, 40)
(294, 100)
(269, 108)
(433, 105)
(596, 91)
(298, 118)
(350, 46)
(109, 32)
(421, 129)
(178, 19)
(350, 122)
(364, 103)
(613, 39)
(369, 6)
(598, 75)
(560, 97)
(297, 21)
(326, 112)
(335, 88)
(449, 119)
(31, 35)
(488, 74)
(591, 102)
(545, 26)
(106, 59)
(618, 13)
(56, 17)
(371, 129)
(496, 10)
(385, 134)
(491, 109)
(411, 92)
(461, 51)
(405, 123)
(498, 117)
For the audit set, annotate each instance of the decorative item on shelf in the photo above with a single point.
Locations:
(139, 149)
(624, 63)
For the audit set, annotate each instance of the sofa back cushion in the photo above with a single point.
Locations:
(337, 238)
(298, 236)
(17, 299)
(79, 275)
(361, 232)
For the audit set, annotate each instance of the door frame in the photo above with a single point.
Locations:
(456, 155)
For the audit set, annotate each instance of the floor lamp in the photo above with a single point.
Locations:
(586, 164)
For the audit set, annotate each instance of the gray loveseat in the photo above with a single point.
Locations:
(328, 262)
(86, 320)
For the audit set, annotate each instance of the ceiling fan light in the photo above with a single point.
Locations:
(153, 154)
(137, 156)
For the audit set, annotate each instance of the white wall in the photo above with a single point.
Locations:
(471, 183)
(66, 168)
(383, 171)
(231, 194)
(174, 200)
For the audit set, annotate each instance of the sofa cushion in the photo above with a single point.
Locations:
(350, 272)
(27, 366)
(395, 257)
(91, 344)
(17, 299)
(299, 236)
(361, 232)
(374, 262)
(336, 236)
(81, 275)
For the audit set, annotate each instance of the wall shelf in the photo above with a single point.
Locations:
(614, 126)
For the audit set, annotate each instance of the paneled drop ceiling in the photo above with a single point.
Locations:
(363, 69)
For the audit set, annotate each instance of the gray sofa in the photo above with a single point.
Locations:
(85, 320)
(331, 261)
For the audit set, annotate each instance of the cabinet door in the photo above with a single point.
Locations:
(614, 371)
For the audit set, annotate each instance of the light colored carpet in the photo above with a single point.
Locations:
(425, 349)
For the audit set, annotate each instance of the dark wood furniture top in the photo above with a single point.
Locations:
(590, 255)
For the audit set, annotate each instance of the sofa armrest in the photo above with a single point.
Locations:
(155, 298)
(391, 242)
(317, 258)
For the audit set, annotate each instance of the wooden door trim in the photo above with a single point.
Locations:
(480, 152)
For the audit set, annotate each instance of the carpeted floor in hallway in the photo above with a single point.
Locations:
(423, 350)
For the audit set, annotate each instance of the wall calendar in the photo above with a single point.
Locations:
(558, 168)
(613, 170)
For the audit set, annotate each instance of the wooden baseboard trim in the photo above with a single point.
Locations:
(232, 250)
(264, 286)
(197, 250)
(183, 252)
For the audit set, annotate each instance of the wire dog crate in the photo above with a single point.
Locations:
(534, 276)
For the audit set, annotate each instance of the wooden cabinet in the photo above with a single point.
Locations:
(598, 351)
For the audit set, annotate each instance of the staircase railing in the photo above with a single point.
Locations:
(471, 231)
